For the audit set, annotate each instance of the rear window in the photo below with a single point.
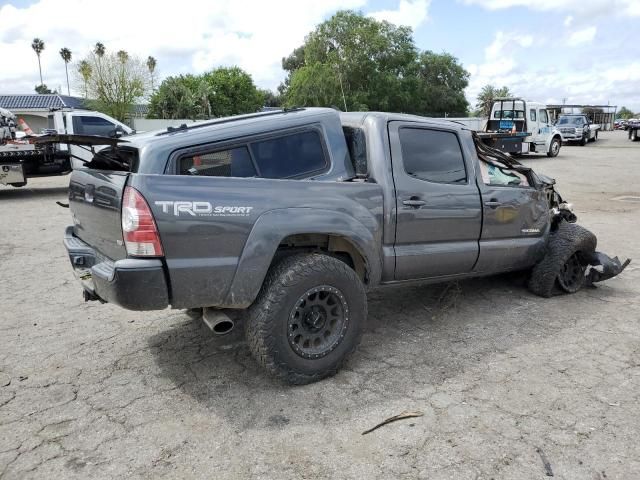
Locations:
(233, 162)
(295, 155)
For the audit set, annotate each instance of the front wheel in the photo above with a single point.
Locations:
(633, 135)
(563, 267)
(583, 141)
(554, 148)
(307, 319)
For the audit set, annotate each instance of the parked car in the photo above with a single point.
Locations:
(288, 217)
(577, 128)
(619, 124)
(634, 129)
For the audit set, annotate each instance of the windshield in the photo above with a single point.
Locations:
(517, 114)
(570, 121)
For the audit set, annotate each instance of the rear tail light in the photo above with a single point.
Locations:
(138, 226)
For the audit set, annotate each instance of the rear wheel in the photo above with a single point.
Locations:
(633, 135)
(554, 148)
(307, 319)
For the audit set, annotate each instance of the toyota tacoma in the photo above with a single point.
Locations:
(291, 216)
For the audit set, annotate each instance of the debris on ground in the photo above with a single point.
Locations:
(395, 418)
(545, 462)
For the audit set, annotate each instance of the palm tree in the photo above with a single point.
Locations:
(99, 49)
(123, 56)
(85, 70)
(38, 47)
(65, 53)
(151, 65)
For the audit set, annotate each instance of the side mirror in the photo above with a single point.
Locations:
(118, 132)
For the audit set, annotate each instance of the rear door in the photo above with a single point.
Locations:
(438, 212)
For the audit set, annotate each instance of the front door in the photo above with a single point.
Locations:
(438, 210)
(541, 130)
(516, 219)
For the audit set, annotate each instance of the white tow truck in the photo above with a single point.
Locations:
(517, 126)
(23, 158)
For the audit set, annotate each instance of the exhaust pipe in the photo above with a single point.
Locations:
(217, 321)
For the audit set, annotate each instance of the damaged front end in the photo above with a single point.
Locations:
(594, 266)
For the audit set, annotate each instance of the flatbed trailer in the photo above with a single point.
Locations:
(505, 142)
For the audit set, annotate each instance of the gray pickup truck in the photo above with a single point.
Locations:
(290, 216)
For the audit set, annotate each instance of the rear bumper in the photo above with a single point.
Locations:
(132, 283)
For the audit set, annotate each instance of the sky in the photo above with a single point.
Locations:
(552, 51)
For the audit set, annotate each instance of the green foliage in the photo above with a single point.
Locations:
(42, 89)
(358, 63)
(115, 81)
(219, 93)
(270, 99)
(625, 113)
(487, 96)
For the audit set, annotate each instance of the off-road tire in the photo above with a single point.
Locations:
(267, 320)
(553, 151)
(568, 240)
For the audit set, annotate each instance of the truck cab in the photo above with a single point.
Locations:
(528, 122)
(85, 122)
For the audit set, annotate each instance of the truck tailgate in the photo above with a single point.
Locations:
(95, 201)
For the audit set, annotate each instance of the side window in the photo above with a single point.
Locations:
(496, 175)
(289, 156)
(432, 155)
(532, 115)
(86, 125)
(233, 162)
(544, 118)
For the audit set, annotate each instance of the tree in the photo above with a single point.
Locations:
(219, 93)
(38, 47)
(85, 71)
(65, 53)
(625, 113)
(487, 96)
(443, 81)
(151, 65)
(358, 63)
(270, 99)
(43, 89)
(115, 81)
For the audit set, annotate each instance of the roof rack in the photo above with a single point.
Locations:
(184, 127)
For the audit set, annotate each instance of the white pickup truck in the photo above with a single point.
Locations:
(577, 128)
(517, 126)
(21, 159)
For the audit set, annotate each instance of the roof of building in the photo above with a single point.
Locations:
(40, 102)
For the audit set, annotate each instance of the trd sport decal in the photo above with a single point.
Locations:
(202, 209)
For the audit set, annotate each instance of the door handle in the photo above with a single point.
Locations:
(414, 203)
(493, 203)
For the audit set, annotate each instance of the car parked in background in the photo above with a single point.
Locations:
(577, 128)
(619, 124)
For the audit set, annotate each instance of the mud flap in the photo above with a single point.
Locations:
(602, 267)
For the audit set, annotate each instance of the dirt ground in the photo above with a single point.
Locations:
(507, 381)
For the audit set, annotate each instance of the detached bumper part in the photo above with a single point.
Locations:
(602, 267)
(132, 283)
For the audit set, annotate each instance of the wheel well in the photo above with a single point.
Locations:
(334, 245)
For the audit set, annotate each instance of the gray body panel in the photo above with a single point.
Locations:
(222, 259)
